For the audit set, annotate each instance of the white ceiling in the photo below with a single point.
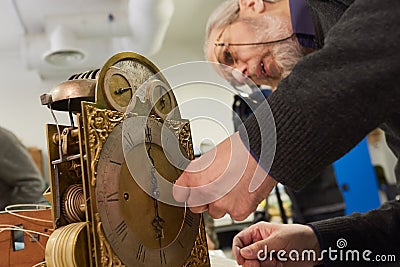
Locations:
(21, 87)
(24, 17)
(26, 26)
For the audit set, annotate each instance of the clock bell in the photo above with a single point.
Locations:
(111, 174)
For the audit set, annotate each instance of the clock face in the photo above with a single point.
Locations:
(120, 77)
(142, 230)
(161, 98)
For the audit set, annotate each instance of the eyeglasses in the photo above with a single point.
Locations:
(226, 55)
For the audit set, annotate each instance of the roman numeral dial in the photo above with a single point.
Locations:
(142, 228)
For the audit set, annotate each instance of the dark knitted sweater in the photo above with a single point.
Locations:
(331, 100)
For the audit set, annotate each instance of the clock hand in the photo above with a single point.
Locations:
(154, 190)
(120, 91)
(162, 99)
(162, 102)
(157, 221)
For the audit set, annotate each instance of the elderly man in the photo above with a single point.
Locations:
(330, 100)
(321, 199)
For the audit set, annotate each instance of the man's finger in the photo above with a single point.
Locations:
(247, 236)
(255, 251)
(180, 190)
(214, 212)
(237, 244)
(199, 209)
(251, 263)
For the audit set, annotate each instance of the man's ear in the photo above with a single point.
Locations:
(256, 6)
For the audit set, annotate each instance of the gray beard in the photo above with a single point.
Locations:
(286, 53)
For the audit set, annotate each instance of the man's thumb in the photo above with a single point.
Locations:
(180, 190)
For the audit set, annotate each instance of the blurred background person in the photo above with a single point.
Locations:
(20, 179)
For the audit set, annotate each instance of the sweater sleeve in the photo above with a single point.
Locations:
(18, 171)
(334, 96)
(355, 232)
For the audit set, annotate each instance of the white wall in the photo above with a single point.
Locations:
(21, 110)
(211, 117)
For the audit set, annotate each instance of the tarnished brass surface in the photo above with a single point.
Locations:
(123, 70)
(117, 212)
(128, 213)
(97, 124)
(73, 203)
(68, 95)
(123, 206)
(67, 246)
(199, 255)
(63, 173)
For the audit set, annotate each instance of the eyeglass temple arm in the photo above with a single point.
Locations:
(260, 43)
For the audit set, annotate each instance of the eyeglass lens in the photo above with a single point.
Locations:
(225, 55)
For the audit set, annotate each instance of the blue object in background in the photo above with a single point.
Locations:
(357, 179)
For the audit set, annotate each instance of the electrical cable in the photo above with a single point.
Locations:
(16, 228)
(28, 232)
(42, 263)
(13, 212)
(9, 227)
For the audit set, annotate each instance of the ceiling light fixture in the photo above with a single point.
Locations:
(65, 57)
(63, 52)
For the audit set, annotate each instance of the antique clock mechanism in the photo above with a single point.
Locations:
(112, 174)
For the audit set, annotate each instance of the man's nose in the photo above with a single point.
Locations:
(240, 73)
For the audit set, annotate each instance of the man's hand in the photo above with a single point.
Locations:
(226, 179)
(266, 244)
